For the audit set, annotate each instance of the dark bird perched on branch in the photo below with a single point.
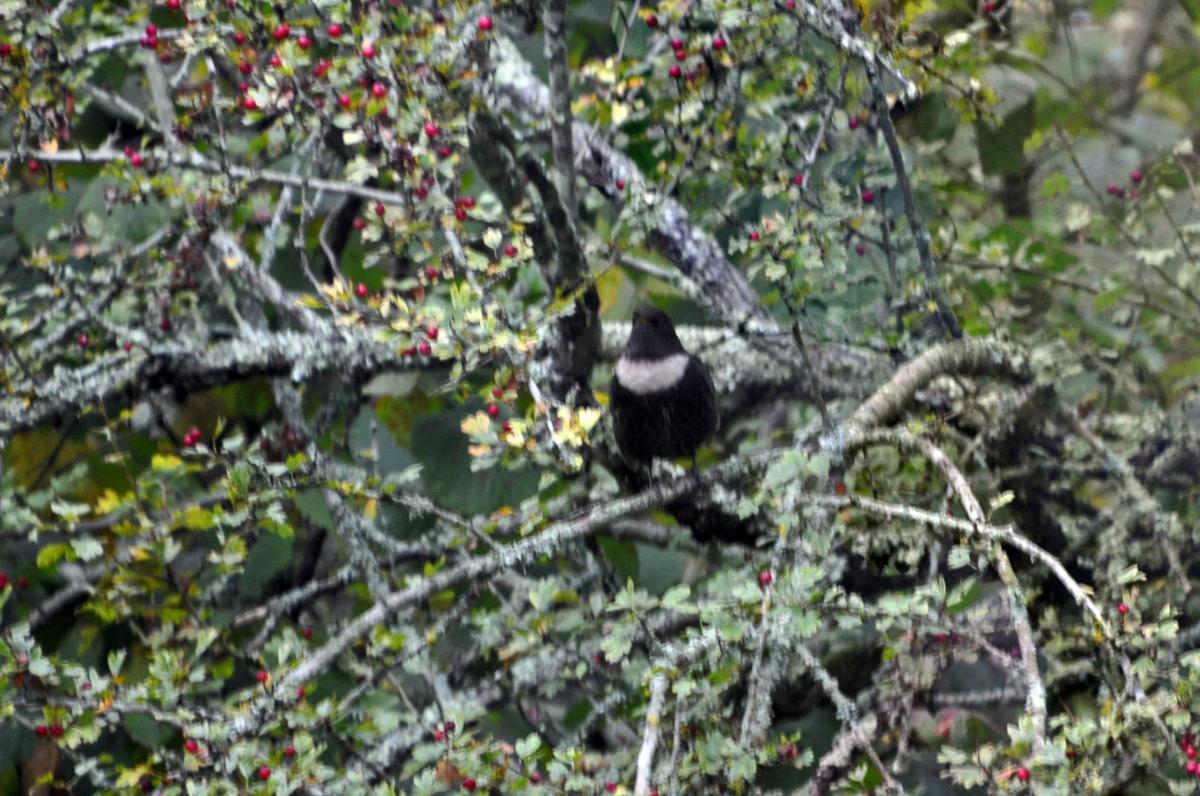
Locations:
(663, 401)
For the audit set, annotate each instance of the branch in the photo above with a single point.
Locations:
(645, 758)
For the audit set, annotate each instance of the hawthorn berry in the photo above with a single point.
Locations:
(84, 340)
(359, 224)
(853, 123)
(431, 332)
(1122, 608)
(361, 290)
(424, 349)
(510, 250)
(173, 4)
(1023, 774)
(469, 783)
(754, 235)
(680, 55)
(334, 30)
(304, 41)
(431, 273)
(860, 250)
(652, 21)
(5, 50)
(262, 676)
(798, 179)
(264, 773)
(152, 30)
(675, 71)
(535, 777)
(276, 61)
(439, 736)
(191, 746)
(676, 44)
(493, 410)
(368, 50)
(281, 31)
(718, 43)
(868, 197)
(245, 67)
(610, 787)
(378, 90)
(485, 24)
(41, 731)
(289, 751)
(239, 38)
(765, 577)
(1136, 176)
(432, 129)
(22, 582)
(344, 100)
(497, 393)
(307, 632)
(56, 731)
(380, 209)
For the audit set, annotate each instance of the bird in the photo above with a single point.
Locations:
(662, 398)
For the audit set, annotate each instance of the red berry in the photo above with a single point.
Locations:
(860, 249)
(611, 787)
(83, 340)
(289, 751)
(439, 736)
(5, 50)
(149, 42)
(1192, 767)
(173, 4)
(468, 202)
(989, 7)
(245, 67)
(380, 209)
(445, 152)
(468, 783)
(680, 55)
(262, 676)
(676, 44)
(56, 730)
(135, 160)
(300, 692)
(839, 488)
(191, 746)
(344, 100)
(754, 235)
(361, 290)
(334, 29)
(378, 90)
(620, 185)
(449, 726)
(431, 332)
(535, 777)
(431, 273)
(128, 346)
(765, 577)
(164, 58)
(306, 632)
(485, 24)
(239, 38)
(497, 393)
(1190, 752)
(281, 31)
(22, 582)
(1023, 774)
(853, 123)
(718, 43)
(304, 41)
(510, 250)
(506, 427)
(249, 104)
(359, 224)
(432, 129)
(1122, 609)
(1136, 176)
(798, 179)
(652, 21)
(868, 197)
(276, 61)
(321, 68)
(675, 71)
(460, 214)
(165, 324)
(368, 50)
(264, 773)
(420, 192)
(1112, 189)
(493, 410)
(152, 30)
(41, 731)
(425, 349)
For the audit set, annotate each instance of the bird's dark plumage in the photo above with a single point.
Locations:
(663, 401)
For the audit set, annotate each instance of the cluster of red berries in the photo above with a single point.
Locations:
(1136, 176)
(54, 730)
(1187, 744)
(462, 206)
(22, 582)
(192, 436)
(134, 157)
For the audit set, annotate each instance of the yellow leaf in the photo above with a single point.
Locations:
(165, 461)
(476, 424)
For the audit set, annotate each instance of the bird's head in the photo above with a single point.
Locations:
(652, 336)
